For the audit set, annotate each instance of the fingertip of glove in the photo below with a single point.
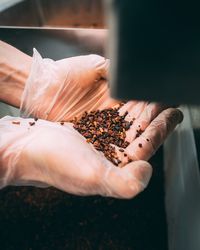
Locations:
(141, 171)
(131, 180)
(181, 116)
(174, 115)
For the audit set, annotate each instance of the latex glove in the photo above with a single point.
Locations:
(47, 153)
(60, 90)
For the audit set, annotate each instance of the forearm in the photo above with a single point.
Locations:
(14, 71)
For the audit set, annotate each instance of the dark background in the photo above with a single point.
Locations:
(34, 219)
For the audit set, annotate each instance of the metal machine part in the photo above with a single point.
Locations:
(51, 13)
(155, 50)
(153, 46)
(56, 43)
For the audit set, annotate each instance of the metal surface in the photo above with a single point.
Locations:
(59, 13)
(154, 48)
(5, 4)
(55, 43)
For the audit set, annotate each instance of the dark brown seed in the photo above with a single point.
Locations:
(62, 123)
(118, 161)
(147, 139)
(139, 132)
(129, 160)
(103, 128)
(35, 119)
(31, 123)
(140, 145)
(16, 122)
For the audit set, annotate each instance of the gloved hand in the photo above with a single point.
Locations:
(61, 90)
(42, 153)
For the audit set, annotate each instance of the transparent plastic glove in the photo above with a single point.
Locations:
(14, 70)
(152, 123)
(45, 153)
(61, 90)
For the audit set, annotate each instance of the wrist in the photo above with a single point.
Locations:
(14, 71)
(12, 82)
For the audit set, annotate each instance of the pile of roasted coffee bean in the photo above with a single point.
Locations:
(103, 128)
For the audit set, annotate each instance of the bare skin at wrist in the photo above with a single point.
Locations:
(14, 71)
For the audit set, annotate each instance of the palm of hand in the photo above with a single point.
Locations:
(88, 90)
(65, 160)
(61, 157)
